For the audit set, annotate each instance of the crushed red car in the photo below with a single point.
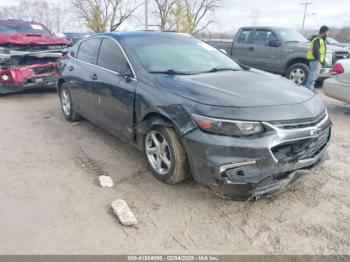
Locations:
(28, 55)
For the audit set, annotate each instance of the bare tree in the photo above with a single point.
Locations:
(120, 12)
(100, 14)
(200, 13)
(164, 7)
(50, 15)
(94, 13)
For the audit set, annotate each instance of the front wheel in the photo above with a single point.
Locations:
(298, 73)
(165, 155)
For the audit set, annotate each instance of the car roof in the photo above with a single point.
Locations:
(145, 33)
(264, 27)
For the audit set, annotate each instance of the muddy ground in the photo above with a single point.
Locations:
(50, 202)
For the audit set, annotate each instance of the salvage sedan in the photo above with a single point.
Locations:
(28, 55)
(195, 111)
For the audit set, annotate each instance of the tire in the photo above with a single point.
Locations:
(178, 169)
(67, 105)
(298, 73)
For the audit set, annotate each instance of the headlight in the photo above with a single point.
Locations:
(5, 77)
(329, 58)
(228, 127)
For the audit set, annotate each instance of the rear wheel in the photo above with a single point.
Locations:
(165, 155)
(67, 105)
(298, 73)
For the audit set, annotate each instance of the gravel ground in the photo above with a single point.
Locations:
(51, 202)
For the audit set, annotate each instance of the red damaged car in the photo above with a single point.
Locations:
(28, 55)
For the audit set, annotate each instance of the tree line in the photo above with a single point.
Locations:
(187, 16)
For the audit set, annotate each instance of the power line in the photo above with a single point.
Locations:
(305, 4)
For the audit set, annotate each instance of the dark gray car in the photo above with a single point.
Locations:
(195, 111)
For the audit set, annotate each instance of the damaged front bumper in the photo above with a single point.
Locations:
(241, 168)
(23, 70)
(34, 76)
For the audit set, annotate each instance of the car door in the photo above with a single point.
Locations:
(242, 47)
(114, 89)
(82, 71)
(267, 57)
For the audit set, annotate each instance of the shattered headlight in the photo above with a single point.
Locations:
(228, 127)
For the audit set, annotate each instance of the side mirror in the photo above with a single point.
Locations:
(125, 71)
(273, 43)
(223, 51)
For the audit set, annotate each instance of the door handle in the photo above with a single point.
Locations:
(93, 77)
(70, 68)
(251, 49)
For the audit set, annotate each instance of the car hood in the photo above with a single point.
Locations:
(337, 48)
(252, 88)
(23, 39)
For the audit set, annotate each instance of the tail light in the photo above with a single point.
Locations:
(337, 69)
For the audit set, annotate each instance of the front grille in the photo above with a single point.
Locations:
(340, 55)
(295, 124)
(302, 149)
(43, 70)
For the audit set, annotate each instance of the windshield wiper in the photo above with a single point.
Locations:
(170, 72)
(218, 69)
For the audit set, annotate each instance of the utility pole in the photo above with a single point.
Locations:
(146, 14)
(305, 4)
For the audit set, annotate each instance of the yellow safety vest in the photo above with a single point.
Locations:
(310, 55)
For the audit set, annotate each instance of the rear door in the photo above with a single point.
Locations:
(242, 48)
(267, 58)
(114, 89)
(82, 70)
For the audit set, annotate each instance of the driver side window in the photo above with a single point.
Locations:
(112, 58)
(262, 37)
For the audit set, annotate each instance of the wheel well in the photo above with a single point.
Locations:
(59, 84)
(149, 120)
(155, 118)
(295, 61)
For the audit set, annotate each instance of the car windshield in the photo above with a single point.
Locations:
(289, 35)
(21, 28)
(332, 41)
(179, 55)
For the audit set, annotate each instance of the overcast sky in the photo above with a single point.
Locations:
(236, 13)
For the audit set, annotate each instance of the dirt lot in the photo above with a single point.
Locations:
(51, 202)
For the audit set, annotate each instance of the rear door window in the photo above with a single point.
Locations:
(88, 50)
(111, 57)
(244, 36)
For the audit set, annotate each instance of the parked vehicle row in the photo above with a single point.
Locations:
(278, 50)
(194, 111)
(73, 37)
(28, 55)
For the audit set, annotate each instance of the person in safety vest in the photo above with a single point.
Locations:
(316, 56)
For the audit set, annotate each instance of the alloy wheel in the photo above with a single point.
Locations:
(158, 152)
(66, 102)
